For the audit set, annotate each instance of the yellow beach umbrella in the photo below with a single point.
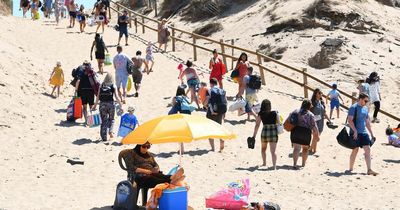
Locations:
(179, 128)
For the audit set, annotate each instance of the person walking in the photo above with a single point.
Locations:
(375, 94)
(84, 88)
(250, 95)
(242, 65)
(304, 129)
(137, 75)
(100, 16)
(24, 5)
(192, 81)
(106, 96)
(72, 13)
(163, 35)
(99, 52)
(359, 127)
(57, 79)
(217, 67)
(319, 110)
(57, 10)
(269, 134)
(149, 57)
(123, 21)
(81, 18)
(216, 100)
(120, 62)
(47, 6)
(334, 96)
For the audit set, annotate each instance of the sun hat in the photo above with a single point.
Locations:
(131, 109)
(58, 63)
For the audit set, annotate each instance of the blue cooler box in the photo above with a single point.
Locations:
(175, 199)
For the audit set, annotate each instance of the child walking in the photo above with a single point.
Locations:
(57, 79)
(149, 57)
(334, 96)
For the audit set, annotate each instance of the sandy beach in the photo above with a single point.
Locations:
(36, 142)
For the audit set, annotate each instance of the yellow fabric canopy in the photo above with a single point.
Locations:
(177, 128)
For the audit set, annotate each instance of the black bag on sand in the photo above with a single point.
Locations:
(251, 141)
(345, 137)
(126, 196)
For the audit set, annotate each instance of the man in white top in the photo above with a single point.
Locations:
(121, 74)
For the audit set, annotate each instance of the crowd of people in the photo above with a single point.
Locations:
(211, 98)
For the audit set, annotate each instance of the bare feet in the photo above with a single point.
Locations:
(371, 172)
(111, 135)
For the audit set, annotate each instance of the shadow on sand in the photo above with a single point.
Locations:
(257, 168)
(68, 124)
(345, 173)
(61, 110)
(83, 141)
(190, 153)
(392, 161)
(235, 122)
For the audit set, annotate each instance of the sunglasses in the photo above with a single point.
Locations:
(146, 146)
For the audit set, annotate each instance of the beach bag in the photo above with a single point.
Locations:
(130, 66)
(70, 111)
(77, 107)
(36, 16)
(107, 60)
(218, 100)
(251, 141)
(94, 80)
(279, 125)
(345, 136)
(238, 104)
(94, 119)
(91, 22)
(231, 198)
(235, 73)
(254, 82)
(291, 121)
(125, 196)
(185, 104)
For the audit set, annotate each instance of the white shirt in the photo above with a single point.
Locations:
(374, 90)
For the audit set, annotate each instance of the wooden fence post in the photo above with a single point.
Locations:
(155, 7)
(233, 50)
(305, 83)
(143, 31)
(221, 41)
(173, 39)
(130, 20)
(117, 8)
(194, 47)
(259, 61)
(136, 24)
(353, 100)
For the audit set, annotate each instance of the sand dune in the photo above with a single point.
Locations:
(36, 142)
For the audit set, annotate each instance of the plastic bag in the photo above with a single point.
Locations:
(238, 104)
(107, 61)
(231, 198)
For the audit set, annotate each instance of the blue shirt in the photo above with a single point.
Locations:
(334, 95)
(128, 124)
(362, 117)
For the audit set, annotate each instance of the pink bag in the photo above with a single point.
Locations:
(231, 198)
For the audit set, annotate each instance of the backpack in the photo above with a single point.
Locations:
(218, 100)
(125, 196)
(93, 79)
(254, 82)
(294, 118)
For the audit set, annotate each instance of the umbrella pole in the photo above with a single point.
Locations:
(180, 154)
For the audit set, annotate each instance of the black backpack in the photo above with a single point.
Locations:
(254, 82)
(125, 196)
(218, 100)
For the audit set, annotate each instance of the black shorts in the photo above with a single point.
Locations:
(100, 55)
(301, 135)
(137, 76)
(216, 118)
(72, 14)
(87, 96)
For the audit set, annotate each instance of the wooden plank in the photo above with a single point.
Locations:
(261, 69)
(305, 83)
(233, 51)
(130, 19)
(136, 24)
(173, 39)
(143, 25)
(194, 48)
(221, 42)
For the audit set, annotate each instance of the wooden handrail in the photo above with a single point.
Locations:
(194, 42)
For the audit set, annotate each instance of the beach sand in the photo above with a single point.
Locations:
(36, 141)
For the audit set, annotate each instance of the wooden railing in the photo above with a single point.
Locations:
(145, 21)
